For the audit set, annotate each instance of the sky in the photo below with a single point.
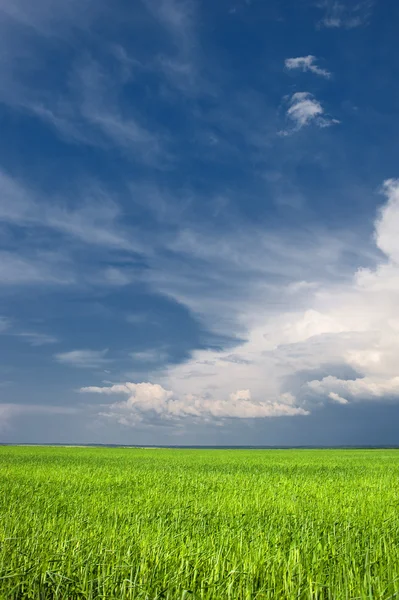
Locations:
(199, 207)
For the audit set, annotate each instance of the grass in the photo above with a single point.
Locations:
(94, 523)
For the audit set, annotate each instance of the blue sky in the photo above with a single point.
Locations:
(198, 217)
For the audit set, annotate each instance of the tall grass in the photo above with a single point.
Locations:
(189, 524)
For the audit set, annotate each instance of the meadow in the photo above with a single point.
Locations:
(108, 523)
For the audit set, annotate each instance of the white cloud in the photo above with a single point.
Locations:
(337, 398)
(304, 109)
(362, 389)
(386, 232)
(84, 359)
(147, 400)
(240, 395)
(346, 321)
(306, 63)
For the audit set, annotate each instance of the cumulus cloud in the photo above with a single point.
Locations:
(84, 359)
(147, 400)
(240, 395)
(304, 109)
(351, 325)
(369, 307)
(362, 389)
(337, 398)
(306, 63)
(386, 233)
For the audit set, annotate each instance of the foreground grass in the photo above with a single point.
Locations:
(190, 524)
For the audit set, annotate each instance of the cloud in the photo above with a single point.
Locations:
(347, 15)
(386, 233)
(306, 63)
(84, 359)
(177, 16)
(90, 217)
(369, 307)
(36, 339)
(180, 63)
(346, 319)
(153, 355)
(138, 318)
(147, 400)
(90, 107)
(48, 17)
(117, 277)
(95, 220)
(304, 109)
(240, 395)
(99, 109)
(362, 389)
(337, 398)
(41, 268)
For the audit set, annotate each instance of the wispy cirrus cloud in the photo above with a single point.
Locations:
(345, 14)
(48, 18)
(21, 268)
(36, 338)
(90, 216)
(95, 220)
(306, 63)
(89, 107)
(152, 355)
(90, 113)
(178, 18)
(84, 359)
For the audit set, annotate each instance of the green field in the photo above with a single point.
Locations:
(189, 524)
